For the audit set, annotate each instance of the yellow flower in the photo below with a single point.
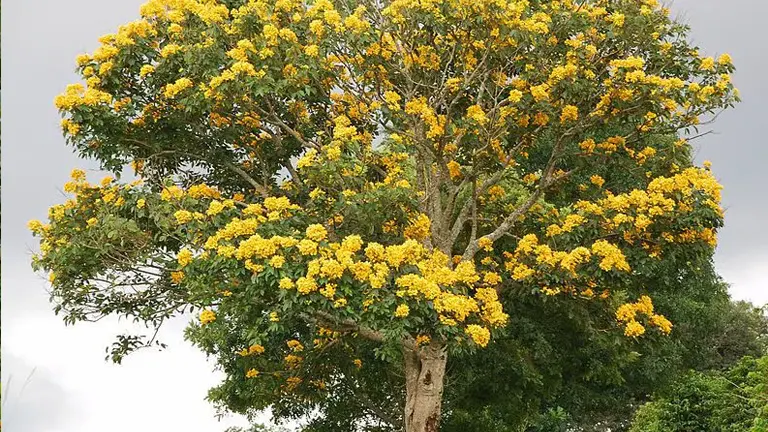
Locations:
(358, 363)
(352, 243)
(184, 257)
(278, 204)
(485, 243)
(77, 175)
(393, 100)
(522, 272)
(476, 113)
(35, 226)
(146, 70)
(375, 252)
(418, 228)
(207, 317)
(328, 291)
(422, 339)
(662, 323)
(570, 113)
(496, 192)
(316, 232)
(183, 216)
(530, 178)
(644, 305)
(725, 60)
(286, 283)
(177, 276)
(479, 334)
(295, 345)
(617, 19)
(307, 247)
(492, 278)
(252, 373)
(214, 208)
(634, 329)
(277, 261)
(402, 311)
(707, 64)
(540, 92)
(170, 50)
(311, 50)
(306, 285)
(612, 256)
(454, 170)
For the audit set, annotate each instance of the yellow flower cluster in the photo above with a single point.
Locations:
(184, 257)
(295, 345)
(203, 191)
(528, 248)
(634, 212)
(371, 265)
(316, 232)
(76, 94)
(181, 84)
(454, 169)
(612, 256)
(418, 228)
(435, 123)
(627, 314)
(402, 311)
(569, 113)
(476, 113)
(207, 316)
(255, 349)
(479, 334)
(175, 11)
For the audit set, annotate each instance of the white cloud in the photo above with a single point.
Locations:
(747, 275)
(151, 390)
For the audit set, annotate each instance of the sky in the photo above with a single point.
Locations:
(72, 389)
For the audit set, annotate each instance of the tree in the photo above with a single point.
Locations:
(554, 365)
(734, 400)
(333, 181)
(256, 428)
(740, 330)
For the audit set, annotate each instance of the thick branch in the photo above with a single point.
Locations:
(511, 219)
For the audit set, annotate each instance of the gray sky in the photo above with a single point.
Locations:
(74, 390)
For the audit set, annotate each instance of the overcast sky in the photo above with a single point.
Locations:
(73, 389)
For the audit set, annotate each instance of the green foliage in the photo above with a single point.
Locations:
(257, 428)
(735, 400)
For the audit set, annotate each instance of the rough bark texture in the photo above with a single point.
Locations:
(424, 374)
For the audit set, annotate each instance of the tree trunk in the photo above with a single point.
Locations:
(424, 375)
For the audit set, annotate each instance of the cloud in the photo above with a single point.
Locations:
(35, 401)
(747, 275)
(151, 390)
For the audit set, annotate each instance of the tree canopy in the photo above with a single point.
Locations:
(337, 184)
(735, 400)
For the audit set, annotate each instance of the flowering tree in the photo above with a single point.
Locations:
(325, 180)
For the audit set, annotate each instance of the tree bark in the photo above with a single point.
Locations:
(424, 376)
